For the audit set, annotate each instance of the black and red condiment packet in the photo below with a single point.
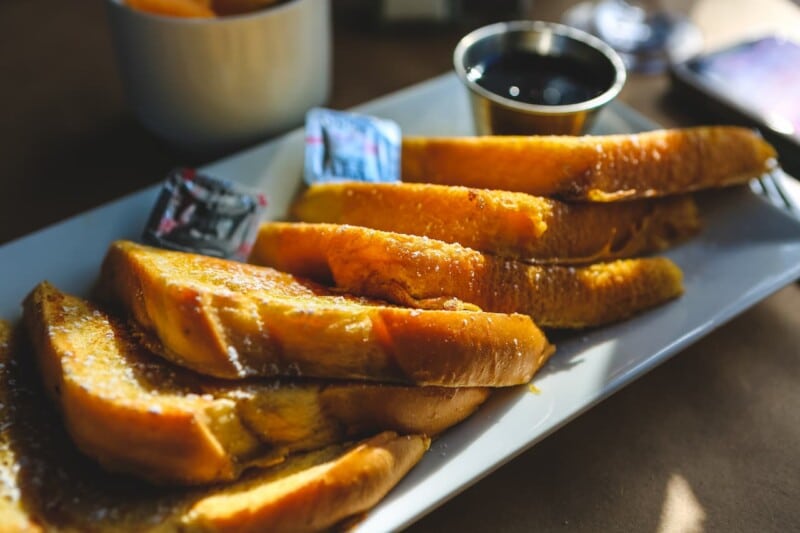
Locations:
(202, 214)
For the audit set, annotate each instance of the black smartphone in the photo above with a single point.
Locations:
(754, 83)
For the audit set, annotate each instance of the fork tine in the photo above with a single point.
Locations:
(758, 187)
(770, 191)
(778, 192)
(775, 179)
(769, 186)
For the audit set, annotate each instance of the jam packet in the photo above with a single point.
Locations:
(201, 214)
(347, 146)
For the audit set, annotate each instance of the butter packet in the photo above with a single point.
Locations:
(206, 215)
(344, 146)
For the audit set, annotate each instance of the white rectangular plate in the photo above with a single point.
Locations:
(747, 251)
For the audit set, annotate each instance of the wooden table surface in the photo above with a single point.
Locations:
(708, 441)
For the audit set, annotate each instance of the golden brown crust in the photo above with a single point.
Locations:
(119, 405)
(364, 407)
(47, 486)
(137, 414)
(426, 273)
(317, 496)
(233, 320)
(595, 168)
(505, 223)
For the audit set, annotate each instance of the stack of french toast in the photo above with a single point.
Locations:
(289, 394)
(556, 228)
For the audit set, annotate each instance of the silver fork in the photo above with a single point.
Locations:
(770, 186)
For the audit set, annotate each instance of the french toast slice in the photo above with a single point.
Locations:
(312, 492)
(595, 168)
(47, 485)
(426, 273)
(137, 414)
(234, 320)
(504, 223)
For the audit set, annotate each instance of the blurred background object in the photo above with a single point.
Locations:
(214, 85)
(648, 34)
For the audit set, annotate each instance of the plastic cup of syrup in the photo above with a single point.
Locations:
(531, 77)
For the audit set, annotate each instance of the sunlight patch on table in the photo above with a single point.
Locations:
(681, 512)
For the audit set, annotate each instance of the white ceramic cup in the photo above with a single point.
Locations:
(211, 84)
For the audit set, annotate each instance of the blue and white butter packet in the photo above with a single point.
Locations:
(346, 146)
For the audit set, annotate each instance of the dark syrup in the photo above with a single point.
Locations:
(544, 80)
